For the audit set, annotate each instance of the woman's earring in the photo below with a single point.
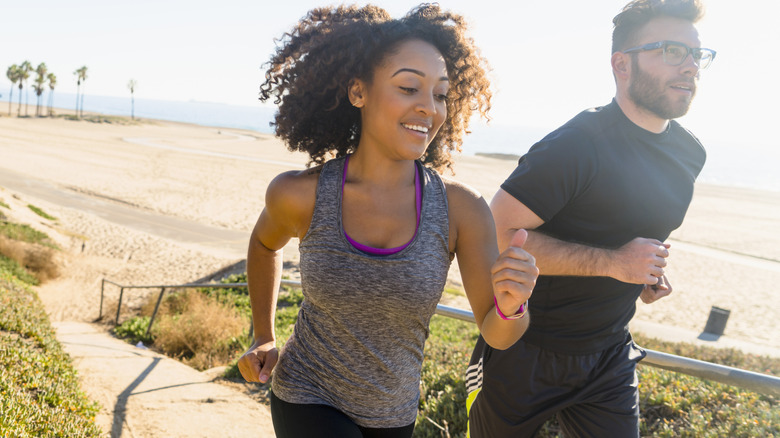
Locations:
(357, 104)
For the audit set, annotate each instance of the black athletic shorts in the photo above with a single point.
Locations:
(293, 420)
(513, 392)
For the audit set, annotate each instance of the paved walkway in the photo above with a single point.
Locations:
(225, 242)
(676, 334)
(145, 394)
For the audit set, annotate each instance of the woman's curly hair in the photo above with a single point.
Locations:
(314, 64)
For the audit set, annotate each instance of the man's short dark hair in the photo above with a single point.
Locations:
(639, 12)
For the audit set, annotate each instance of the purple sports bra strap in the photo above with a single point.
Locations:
(418, 204)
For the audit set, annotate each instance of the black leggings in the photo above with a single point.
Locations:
(295, 420)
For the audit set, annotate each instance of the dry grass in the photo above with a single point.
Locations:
(108, 316)
(37, 259)
(196, 328)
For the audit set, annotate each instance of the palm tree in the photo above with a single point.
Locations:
(38, 88)
(131, 85)
(24, 73)
(13, 75)
(40, 80)
(81, 76)
(83, 79)
(52, 83)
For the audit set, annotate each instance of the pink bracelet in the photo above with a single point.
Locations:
(517, 315)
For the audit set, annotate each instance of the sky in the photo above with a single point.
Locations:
(549, 59)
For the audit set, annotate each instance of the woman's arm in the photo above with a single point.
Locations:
(287, 214)
(509, 277)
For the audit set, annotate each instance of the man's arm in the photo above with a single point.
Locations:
(640, 261)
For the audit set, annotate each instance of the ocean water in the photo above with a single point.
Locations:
(255, 118)
(747, 164)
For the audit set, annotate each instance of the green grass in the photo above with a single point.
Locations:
(13, 268)
(671, 404)
(442, 405)
(4, 205)
(236, 297)
(41, 213)
(677, 405)
(39, 391)
(25, 233)
(455, 291)
(134, 330)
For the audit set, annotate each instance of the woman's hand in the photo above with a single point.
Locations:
(258, 362)
(514, 275)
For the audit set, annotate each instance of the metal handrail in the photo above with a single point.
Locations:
(756, 382)
(162, 288)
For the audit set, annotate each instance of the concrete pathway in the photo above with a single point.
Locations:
(146, 394)
(225, 242)
(704, 339)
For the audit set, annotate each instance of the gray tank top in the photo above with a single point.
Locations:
(358, 342)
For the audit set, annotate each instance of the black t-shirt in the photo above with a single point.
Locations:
(601, 180)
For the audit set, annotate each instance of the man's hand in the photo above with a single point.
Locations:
(652, 293)
(640, 261)
(258, 362)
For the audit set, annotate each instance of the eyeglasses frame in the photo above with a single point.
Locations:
(662, 45)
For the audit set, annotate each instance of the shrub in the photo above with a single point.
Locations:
(236, 297)
(201, 331)
(36, 259)
(39, 392)
(134, 330)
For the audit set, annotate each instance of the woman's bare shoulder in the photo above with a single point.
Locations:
(469, 213)
(462, 195)
(292, 193)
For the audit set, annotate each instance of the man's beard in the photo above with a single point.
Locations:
(647, 92)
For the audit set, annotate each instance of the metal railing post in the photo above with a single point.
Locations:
(119, 304)
(154, 314)
(102, 287)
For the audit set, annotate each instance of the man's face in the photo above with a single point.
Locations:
(659, 88)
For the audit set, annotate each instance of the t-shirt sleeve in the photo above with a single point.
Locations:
(696, 155)
(553, 172)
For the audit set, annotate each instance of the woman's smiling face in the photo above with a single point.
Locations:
(405, 104)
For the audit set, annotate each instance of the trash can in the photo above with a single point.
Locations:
(716, 323)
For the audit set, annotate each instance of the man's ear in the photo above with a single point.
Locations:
(355, 92)
(621, 65)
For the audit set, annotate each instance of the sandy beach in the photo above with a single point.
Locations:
(726, 254)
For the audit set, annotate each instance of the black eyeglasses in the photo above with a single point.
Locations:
(675, 53)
